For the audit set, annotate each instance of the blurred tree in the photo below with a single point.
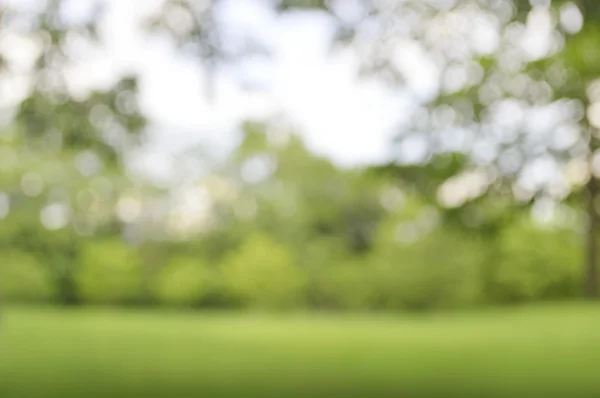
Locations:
(65, 147)
(419, 264)
(504, 106)
(272, 183)
(510, 89)
(491, 85)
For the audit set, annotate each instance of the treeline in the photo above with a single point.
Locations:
(280, 228)
(441, 269)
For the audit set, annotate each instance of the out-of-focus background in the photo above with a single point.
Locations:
(299, 198)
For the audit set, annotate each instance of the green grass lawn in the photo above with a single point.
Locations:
(527, 352)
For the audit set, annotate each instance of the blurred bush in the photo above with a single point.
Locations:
(347, 286)
(109, 273)
(440, 270)
(24, 279)
(184, 281)
(261, 273)
(534, 263)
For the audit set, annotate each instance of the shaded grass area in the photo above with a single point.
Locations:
(551, 351)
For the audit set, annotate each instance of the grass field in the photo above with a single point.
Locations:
(528, 352)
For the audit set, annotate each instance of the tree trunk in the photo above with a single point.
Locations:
(591, 269)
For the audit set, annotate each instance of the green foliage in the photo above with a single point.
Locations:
(182, 282)
(441, 269)
(320, 236)
(109, 273)
(23, 278)
(304, 232)
(536, 263)
(347, 286)
(261, 273)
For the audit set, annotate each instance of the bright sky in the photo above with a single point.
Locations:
(350, 121)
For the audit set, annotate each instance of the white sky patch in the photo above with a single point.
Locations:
(350, 121)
